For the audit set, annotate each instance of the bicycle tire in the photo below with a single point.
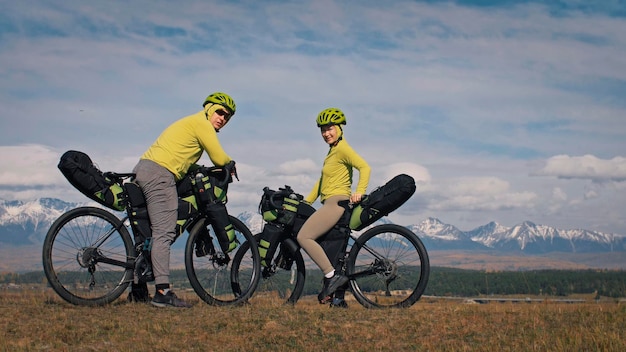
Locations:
(280, 281)
(395, 280)
(211, 276)
(70, 252)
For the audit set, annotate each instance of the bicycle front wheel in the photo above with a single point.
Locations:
(211, 275)
(88, 256)
(388, 266)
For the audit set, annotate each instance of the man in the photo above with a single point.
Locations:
(167, 161)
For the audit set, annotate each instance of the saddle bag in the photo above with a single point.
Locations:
(382, 201)
(80, 171)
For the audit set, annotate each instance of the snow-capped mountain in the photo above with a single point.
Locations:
(23, 223)
(526, 237)
(27, 223)
(254, 221)
(532, 238)
(437, 235)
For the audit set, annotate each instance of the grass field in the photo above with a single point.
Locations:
(36, 320)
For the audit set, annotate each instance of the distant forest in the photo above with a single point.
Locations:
(455, 282)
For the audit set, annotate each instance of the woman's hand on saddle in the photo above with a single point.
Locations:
(355, 198)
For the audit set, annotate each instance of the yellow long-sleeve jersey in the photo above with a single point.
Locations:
(181, 144)
(336, 176)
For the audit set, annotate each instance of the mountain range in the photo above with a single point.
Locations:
(26, 223)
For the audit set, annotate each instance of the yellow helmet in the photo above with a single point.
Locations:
(222, 99)
(331, 116)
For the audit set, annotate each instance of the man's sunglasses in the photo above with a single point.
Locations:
(223, 113)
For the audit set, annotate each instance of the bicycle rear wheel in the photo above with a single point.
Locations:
(388, 266)
(211, 275)
(88, 256)
(284, 278)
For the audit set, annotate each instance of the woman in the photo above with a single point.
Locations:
(334, 185)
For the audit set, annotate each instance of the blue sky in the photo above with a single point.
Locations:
(503, 111)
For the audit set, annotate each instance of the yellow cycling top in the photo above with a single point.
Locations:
(336, 176)
(181, 144)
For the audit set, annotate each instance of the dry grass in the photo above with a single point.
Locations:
(40, 321)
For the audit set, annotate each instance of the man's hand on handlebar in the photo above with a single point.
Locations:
(232, 169)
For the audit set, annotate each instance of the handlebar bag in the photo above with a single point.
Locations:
(81, 172)
(207, 186)
(286, 213)
(382, 201)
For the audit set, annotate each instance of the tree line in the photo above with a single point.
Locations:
(456, 282)
(465, 283)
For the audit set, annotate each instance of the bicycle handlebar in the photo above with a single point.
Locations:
(225, 173)
(275, 197)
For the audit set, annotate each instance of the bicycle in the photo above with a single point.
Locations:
(90, 258)
(388, 265)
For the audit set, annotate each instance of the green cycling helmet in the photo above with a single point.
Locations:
(331, 116)
(222, 99)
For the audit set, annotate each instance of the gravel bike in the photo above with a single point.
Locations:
(387, 264)
(90, 258)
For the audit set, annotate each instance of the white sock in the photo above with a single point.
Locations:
(330, 274)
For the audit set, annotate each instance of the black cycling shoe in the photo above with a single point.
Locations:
(139, 293)
(330, 286)
(168, 300)
(338, 303)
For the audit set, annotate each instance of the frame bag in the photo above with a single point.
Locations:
(382, 201)
(80, 171)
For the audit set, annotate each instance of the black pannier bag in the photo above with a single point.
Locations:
(138, 214)
(334, 242)
(212, 197)
(382, 201)
(225, 231)
(268, 242)
(80, 171)
(303, 212)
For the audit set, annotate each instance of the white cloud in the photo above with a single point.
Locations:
(296, 167)
(558, 195)
(29, 165)
(587, 167)
(418, 172)
(478, 194)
